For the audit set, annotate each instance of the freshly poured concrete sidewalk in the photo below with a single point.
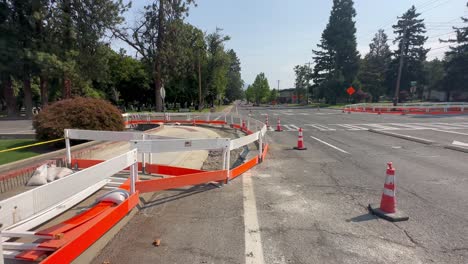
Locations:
(188, 159)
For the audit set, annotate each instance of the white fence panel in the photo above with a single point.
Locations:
(103, 135)
(239, 142)
(34, 201)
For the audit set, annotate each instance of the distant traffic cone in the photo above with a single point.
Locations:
(388, 204)
(194, 123)
(380, 112)
(266, 122)
(244, 127)
(343, 110)
(278, 126)
(300, 141)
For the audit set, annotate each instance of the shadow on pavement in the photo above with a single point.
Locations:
(182, 193)
(362, 218)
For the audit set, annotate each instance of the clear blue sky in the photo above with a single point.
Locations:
(272, 36)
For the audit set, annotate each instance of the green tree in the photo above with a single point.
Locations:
(302, 83)
(260, 89)
(235, 82)
(435, 72)
(218, 65)
(337, 60)
(249, 94)
(374, 67)
(409, 32)
(150, 38)
(456, 66)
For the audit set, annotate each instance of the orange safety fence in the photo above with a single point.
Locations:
(265, 150)
(76, 234)
(244, 167)
(181, 181)
(170, 170)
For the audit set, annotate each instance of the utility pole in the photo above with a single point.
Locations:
(278, 89)
(400, 67)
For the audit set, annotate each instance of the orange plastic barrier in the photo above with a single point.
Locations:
(180, 181)
(170, 170)
(244, 167)
(265, 150)
(77, 240)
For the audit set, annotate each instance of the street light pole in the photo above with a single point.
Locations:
(277, 94)
(400, 68)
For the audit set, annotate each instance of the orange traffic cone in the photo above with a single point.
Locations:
(278, 126)
(387, 209)
(300, 141)
(266, 122)
(244, 127)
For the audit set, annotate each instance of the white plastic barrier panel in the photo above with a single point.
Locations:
(174, 145)
(103, 135)
(29, 203)
(239, 142)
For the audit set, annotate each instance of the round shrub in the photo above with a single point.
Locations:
(79, 113)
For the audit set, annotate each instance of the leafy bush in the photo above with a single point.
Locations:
(79, 113)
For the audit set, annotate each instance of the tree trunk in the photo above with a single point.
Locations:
(44, 87)
(27, 97)
(10, 98)
(66, 92)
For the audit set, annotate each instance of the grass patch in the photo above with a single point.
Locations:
(217, 108)
(11, 156)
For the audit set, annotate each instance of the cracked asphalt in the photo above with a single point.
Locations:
(312, 204)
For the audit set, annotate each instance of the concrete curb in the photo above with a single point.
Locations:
(457, 148)
(410, 138)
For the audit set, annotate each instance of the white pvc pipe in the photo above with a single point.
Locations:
(67, 145)
(133, 175)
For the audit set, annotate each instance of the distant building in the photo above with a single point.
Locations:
(288, 96)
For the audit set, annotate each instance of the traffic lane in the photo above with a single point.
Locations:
(431, 185)
(363, 179)
(200, 224)
(332, 116)
(308, 215)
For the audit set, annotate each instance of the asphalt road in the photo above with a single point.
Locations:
(311, 206)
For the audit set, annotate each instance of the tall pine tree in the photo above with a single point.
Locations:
(409, 32)
(337, 60)
(456, 67)
(375, 66)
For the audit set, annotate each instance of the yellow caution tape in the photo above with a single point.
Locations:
(32, 145)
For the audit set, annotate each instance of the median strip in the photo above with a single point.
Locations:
(410, 138)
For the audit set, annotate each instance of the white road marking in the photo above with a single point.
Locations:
(457, 125)
(320, 127)
(458, 143)
(294, 127)
(288, 128)
(328, 144)
(381, 127)
(253, 241)
(351, 127)
(452, 132)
